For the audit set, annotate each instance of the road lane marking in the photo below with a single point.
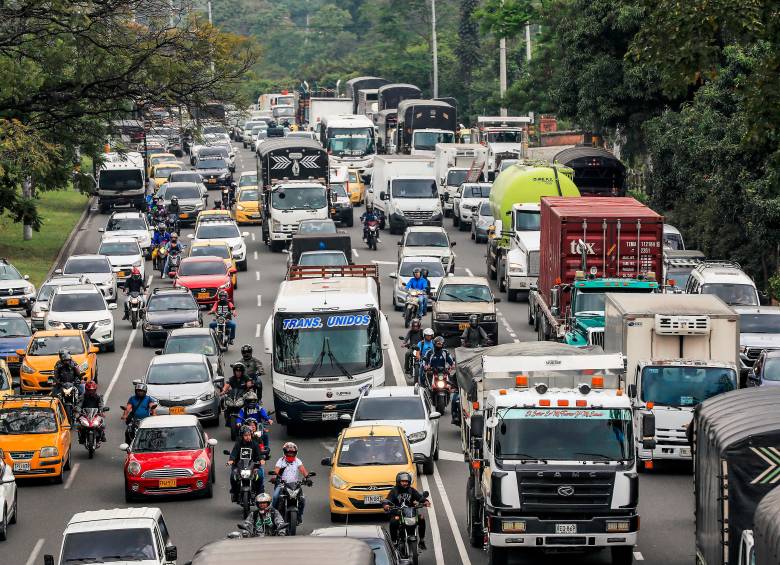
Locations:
(464, 556)
(257, 330)
(435, 534)
(257, 275)
(34, 553)
(354, 252)
(72, 475)
(507, 327)
(255, 255)
(259, 300)
(253, 236)
(450, 456)
(638, 556)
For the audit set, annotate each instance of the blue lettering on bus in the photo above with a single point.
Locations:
(302, 323)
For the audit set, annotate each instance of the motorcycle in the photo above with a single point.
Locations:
(440, 390)
(247, 479)
(289, 499)
(91, 428)
(266, 528)
(232, 404)
(372, 234)
(69, 396)
(131, 427)
(135, 305)
(173, 264)
(227, 197)
(409, 518)
(411, 359)
(172, 223)
(412, 306)
(223, 339)
(158, 257)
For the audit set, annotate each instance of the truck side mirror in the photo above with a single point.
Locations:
(171, 554)
(383, 196)
(648, 430)
(555, 299)
(477, 426)
(632, 391)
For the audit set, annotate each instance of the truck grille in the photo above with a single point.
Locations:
(167, 473)
(596, 336)
(418, 215)
(565, 492)
(668, 436)
(533, 263)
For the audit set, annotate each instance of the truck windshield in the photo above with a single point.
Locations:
(476, 191)
(580, 435)
(129, 179)
(350, 142)
(505, 136)
(759, 323)
(732, 294)
(415, 188)
(127, 544)
(457, 177)
(592, 301)
(427, 140)
(685, 386)
(528, 220)
(679, 275)
(327, 345)
(299, 198)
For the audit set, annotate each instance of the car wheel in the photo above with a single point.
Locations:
(95, 373)
(213, 422)
(455, 221)
(15, 513)
(427, 467)
(242, 265)
(129, 496)
(4, 525)
(111, 347)
(436, 453)
(336, 518)
(208, 492)
(58, 479)
(145, 339)
(66, 467)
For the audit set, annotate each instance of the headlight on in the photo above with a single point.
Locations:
(200, 465)
(417, 437)
(207, 396)
(134, 468)
(442, 316)
(27, 369)
(489, 318)
(106, 322)
(49, 452)
(338, 482)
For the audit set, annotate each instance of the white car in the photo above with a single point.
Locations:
(8, 500)
(469, 195)
(16, 290)
(132, 224)
(96, 268)
(428, 241)
(406, 271)
(41, 304)
(408, 407)
(82, 307)
(223, 231)
(123, 253)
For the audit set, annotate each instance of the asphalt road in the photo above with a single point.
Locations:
(666, 501)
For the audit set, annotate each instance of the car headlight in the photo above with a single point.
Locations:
(516, 268)
(84, 366)
(138, 264)
(338, 482)
(29, 289)
(285, 397)
(489, 318)
(27, 369)
(200, 464)
(106, 322)
(225, 286)
(417, 437)
(442, 316)
(38, 314)
(192, 324)
(153, 327)
(207, 396)
(49, 452)
(55, 325)
(134, 468)
(224, 175)
(240, 208)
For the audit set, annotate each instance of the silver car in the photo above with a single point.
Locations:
(185, 383)
(41, 304)
(96, 269)
(759, 330)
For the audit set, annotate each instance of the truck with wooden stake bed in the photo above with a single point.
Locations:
(550, 446)
(680, 350)
(424, 123)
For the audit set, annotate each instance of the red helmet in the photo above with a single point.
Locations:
(136, 272)
(91, 386)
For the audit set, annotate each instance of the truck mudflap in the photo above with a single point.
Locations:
(533, 532)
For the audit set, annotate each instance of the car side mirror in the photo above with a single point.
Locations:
(244, 234)
(112, 306)
(158, 351)
(477, 426)
(106, 409)
(345, 418)
(101, 230)
(170, 553)
(212, 441)
(57, 271)
(26, 277)
(191, 235)
(435, 415)
(632, 391)
(393, 275)
(219, 382)
(124, 447)
(453, 243)
(326, 462)
(383, 196)
(400, 243)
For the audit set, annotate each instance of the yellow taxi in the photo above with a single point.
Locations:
(35, 436)
(43, 353)
(162, 171)
(216, 248)
(6, 381)
(355, 187)
(156, 158)
(213, 215)
(364, 466)
(248, 206)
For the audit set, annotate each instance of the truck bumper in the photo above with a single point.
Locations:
(280, 236)
(313, 412)
(122, 199)
(589, 533)
(666, 452)
(399, 222)
(521, 282)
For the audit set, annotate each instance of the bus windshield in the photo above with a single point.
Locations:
(350, 142)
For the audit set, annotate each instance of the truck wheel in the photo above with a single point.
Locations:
(501, 275)
(497, 555)
(540, 329)
(464, 226)
(622, 555)
(276, 246)
(455, 220)
(530, 313)
(489, 272)
(511, 294)
(473, 517)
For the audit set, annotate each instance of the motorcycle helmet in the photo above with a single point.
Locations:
(223, 295)
(246, 350)
(416, 271)
(250, 421)
(245, 430)
(290, 451)
(136, 272)
(438, 343)
(416, 323)
(474, 320)
(250, 399)
(403, 476)
(64, 355)
(90, 387)
(140, 389)
(263, 499)
(161, 227)
(427, 332)
(369, 208)
(174, 237)
(174, 200)
(238, 366)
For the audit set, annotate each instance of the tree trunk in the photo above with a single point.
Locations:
(27, 192)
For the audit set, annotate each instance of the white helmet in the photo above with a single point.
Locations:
(427, 332)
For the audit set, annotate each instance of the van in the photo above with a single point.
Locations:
(724, 279)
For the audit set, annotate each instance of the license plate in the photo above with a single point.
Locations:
(212, 181)
(120, 274)
(330, 416)
(12, 302)
(685, 451)
(21, 466)
(372, 499)
(12, 359)
(184, 216)
(203, 295)
(176, 410)
(565, 528)
(463, 325)
(167, 483)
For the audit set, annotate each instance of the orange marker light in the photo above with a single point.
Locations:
(502, 392)
(619, 392)
(650, 405)
(563, 403)
(582, 403)
(648, 464)
(475, 405)
(597, 381)
(544, 402)
(521, 381)
(476, 464)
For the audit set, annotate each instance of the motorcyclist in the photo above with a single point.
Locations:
(135, 283)
(417, 282)
(66, 371)
(161, 235)
(289, 468)
(253, 409)
(474, 335)
(173, 246)
(370, 215)
(413, 337)
(140, 405)
(225, 307)
(439, 359)
(91, 399)
(265, 513)
(254, 368)
(245, 441)
(404, 493)
(174, 209)
(423, 347)
(238, 379)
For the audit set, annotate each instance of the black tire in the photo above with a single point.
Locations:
(441, 405)
(455, 221)
(414, 553)
(58, 479)
(407, 317)
(464, 226)
(276, 246)
(474, 526)
(491, 273)
(473, 236)
(292, 520)
(622, 555)
(129, 496)
(209, 492)
(111, 347)
(501, 275)
(436, 452)
(4, 525)
(245, 505)
(512, 295)
(427, 467)
(233, 432)
(530, 314)
(540, 323)
(66, 467)
(242, 265)
(145, 340)
(336, 518)
(134, 320)
(497, 555)
(91, 451)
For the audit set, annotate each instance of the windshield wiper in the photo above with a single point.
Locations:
(336, 362)
(523, 456)
(458, 298)
(478, 298)
(603, 457)
(317, 364)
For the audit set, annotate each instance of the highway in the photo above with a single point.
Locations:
(666, 494)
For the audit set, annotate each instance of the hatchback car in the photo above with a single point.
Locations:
(169, 455)
(158, 158)
(428, 242)
(248, 178)
(467, 196)
(82, 307)
(482, 219)
(185, 383)
(224, 231)
(195, 340)
(161, 172)
(168, 309)
(8, 500)
(215, 248)
(96, 270)
(15, 334)
(16, 292)
(124, 254)
(248, 206)
(192, 199)
(41, 304)
(131, 224)
(457, 299)
(40, 356)
(205, 277)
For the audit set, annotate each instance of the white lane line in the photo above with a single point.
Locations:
(435, 534)
(468, 272)
(464, 556)
(253, 236)
(355, 253)
(255, 255)
(72, 475)
(259, 300)
(34, 553)
(257, 330)
(638, 556)
(450, 456)
(257, 275)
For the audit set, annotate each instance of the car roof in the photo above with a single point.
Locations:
(9, 314)
(425, 229)
(176, 358)
(465, 280)
(78, 288)
(393, 391)
(248, 174)
(209, 243)
(88, 256)
(365, 431)
(57, 333)
(220, 221)
(119, 239)
(203, 259)
(358, 532)
(126, 215)
(180, 184)
(419, 259)
(178, 421)
(114, 514)
(721, 274)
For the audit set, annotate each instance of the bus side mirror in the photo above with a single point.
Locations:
(477, 426)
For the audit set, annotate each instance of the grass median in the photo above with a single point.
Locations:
(60, 210)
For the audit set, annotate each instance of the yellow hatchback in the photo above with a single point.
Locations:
(364, 466)
(161, 172)
(248, 206)
(216, 248)
(355, 187)
(157, 158)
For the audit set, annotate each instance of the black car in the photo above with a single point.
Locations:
(214, 171)
(169, 309)
(195, 340)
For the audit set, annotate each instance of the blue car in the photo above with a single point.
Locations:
(15, 334)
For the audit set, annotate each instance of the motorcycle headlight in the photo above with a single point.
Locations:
(49, 452)
(246, 473)
(192, 324)
(207, 396)
(27, 369)
(200, 465)
(489, 318)
(417, 437)
(338, 482)
(84, 366)
(442, 316)
(134, 468)
(106, 322)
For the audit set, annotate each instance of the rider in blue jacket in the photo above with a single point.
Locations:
(418, 282)
(252, 409)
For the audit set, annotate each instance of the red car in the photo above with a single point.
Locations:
(204, 277)
(169, 455)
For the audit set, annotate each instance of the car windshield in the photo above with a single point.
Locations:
(9, 273)
(759, 323)
(476, 191)
(221, 251)
(14, 327)
(164, 172)
(217, 231)
(426, 239)
(129, 224)
(119, 248)
(45, 292)
(51, 345)
(212, 164)
(162, 303)
(104, 546)
(465, 293)
(191, 344)
(484, 209)
(771, 370)
(249, 195)
(673, 241)
(197, 268)
(247, 180)
(322, 259)
(176, 373)
(184, 438)
(27, 420)
(317, 226)
(580, 435)
(299, 198)
(732, 294)
(415, 188)
(78, 302)
(427, 140)
(397, 408)
(434, 268)
(78, 266)
(372, 450)
(685, 386)
(185, 176)
(592, 302)
(457, 177)
(182, 192)
(528, 220)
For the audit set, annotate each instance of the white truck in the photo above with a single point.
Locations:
(680, 349)
(403, 188)
(121, 180)
(453, 163)
(547, 436)
(326, 338)
(321, 107)
(518, 269)
(350, 140)
(504, 138)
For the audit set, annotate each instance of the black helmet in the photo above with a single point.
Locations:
(64, 355)
(403, 476)
(438, 342)
(246, 350)
(174, 200)
(473, 319)
(416, 323)
(223, 295)
(238, 366)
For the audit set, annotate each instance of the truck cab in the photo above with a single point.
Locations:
(287, 204)
(518, 269)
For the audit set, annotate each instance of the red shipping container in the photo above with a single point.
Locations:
(620, 237)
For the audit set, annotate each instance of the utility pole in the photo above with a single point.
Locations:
(434, 47)
(210, 21)
(502, 70)
(528, 41)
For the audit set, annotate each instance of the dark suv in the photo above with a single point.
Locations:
(215, 171)
(169, 309)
